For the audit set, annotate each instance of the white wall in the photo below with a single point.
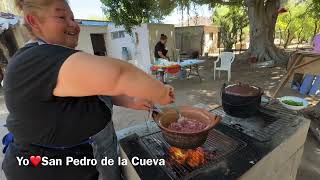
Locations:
(142, 51)
(115, 45)
(155, 31)
(85, 43)
(210, 45)
(139, 50)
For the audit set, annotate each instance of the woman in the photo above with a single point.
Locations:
(160, 50)
(52, 94)
(160, 54)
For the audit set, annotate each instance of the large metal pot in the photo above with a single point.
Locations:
(185, 140)
(241, 100)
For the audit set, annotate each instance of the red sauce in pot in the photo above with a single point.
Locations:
(187, 125)
(242, 90)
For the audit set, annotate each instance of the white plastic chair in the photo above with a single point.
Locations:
(226, 59)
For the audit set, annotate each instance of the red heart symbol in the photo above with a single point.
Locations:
(35, 160)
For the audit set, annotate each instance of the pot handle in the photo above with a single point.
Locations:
(155, 113)
(222, 88)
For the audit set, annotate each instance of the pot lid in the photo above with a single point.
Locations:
(242, 90)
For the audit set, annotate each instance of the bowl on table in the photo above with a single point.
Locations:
(293, 103)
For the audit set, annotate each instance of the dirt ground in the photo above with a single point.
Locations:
(191, 91)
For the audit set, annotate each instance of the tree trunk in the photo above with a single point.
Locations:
(240, 39)
(262, 20)
(315, 31)
(288, 39)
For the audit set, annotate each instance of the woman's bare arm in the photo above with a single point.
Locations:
(124, 101)
(131, 102)
(83, 74)
(161, 55)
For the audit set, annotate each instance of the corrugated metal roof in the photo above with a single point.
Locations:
(92, 22)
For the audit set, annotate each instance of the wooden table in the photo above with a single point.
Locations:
(303, 62)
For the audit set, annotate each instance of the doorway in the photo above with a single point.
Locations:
(98, 44)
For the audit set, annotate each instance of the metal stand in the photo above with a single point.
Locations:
(196, 69)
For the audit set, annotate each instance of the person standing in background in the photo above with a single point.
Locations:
(160, 50)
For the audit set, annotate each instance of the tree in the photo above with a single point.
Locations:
(262, 16)
(314, 12)
(300, 22)
(232, 20)
(131, 13)
(292, 23)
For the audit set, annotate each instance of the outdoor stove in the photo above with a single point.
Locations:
(268, 146)
(188, 163)
(263, 126)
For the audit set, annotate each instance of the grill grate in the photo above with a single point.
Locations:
(271, 119)
(217, 147)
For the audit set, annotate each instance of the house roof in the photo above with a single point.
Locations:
(7, 20)
(86, 22)
(181, 27)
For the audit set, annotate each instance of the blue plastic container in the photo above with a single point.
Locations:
(306, 84)
(183, 73)
(315, 87)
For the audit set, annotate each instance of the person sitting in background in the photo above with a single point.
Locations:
(316, 43)
(160, 50)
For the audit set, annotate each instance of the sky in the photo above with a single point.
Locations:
(84, 9)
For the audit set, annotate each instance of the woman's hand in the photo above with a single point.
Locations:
(168, 96)
(132, 102)
(141, 104)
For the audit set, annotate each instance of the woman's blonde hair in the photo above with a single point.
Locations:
(33, 6)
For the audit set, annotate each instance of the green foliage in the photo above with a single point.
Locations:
(299, 23)
(135, 12)
(130, 13)
(302, 23)
(315, 8)
(232, 21)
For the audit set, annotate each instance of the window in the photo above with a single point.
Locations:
(211, 36)
(117, 34)
(121, 34)
(136, 38)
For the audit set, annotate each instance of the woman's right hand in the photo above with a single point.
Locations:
(168, 96)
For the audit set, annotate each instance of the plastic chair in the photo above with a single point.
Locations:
(226, 59)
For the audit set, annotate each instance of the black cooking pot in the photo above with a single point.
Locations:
(241, 100)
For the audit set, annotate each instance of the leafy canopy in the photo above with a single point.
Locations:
(135, 12)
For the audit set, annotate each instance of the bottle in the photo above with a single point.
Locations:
(125, 53)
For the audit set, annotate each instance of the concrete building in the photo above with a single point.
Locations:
(204, 39)
(105, 39)
(93, 37)
(139, 46)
